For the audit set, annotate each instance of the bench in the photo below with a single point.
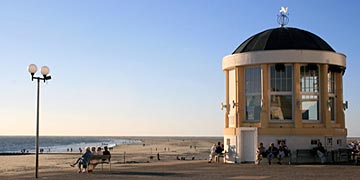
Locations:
(305, 154)
(99, 159)
(222, 155)
(312, 156)
(343, 155)
(287, 159)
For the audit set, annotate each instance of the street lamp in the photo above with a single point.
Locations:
(44, 71)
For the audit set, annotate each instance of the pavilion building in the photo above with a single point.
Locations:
(283, 84)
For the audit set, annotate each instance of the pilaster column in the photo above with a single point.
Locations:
(264, 116)
(226, 118)
(237, 97)
(324, 96)
(340, 115)
(241, 95)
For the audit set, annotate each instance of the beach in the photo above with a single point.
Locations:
(139, 164)
(143, 152)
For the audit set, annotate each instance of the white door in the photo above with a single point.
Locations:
(248, 144)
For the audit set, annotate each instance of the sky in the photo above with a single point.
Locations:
(146, 67)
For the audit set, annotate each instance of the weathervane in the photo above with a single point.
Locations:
(282, 19)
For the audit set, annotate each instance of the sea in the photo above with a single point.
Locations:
(20, 144)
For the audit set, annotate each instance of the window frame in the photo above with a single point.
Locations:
(281, 93)
(250, 94)
(310, 90)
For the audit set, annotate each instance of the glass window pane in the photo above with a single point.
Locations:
(281, 81)
(253, 108)
(289, 85)
(252, 80)
(331, 82)
(310, 108)
(332, 108)
(253, 93)
(310, 92)
(281, 107)
(309, 79)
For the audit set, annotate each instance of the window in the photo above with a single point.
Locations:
(314, 141)
(309, 83)
(228, 141)
(281, 140)
(339, 142)
(329, 141)
(253, 93)
(281, 92)
(331, 91)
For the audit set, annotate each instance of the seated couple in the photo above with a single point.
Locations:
(215, 152)
(84, 160)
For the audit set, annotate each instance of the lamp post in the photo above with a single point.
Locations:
(32, 68)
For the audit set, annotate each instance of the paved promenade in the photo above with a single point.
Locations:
(203, 170)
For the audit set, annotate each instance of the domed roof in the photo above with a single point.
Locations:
(283, 38)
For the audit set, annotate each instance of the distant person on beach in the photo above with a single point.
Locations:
(80, 150)
(212, 153)
(83, 161)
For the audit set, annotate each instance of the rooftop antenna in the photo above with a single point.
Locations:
(283, 19)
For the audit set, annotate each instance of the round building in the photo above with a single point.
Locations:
(283, 84)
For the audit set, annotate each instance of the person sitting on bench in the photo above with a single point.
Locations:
(106, 152)
(272, 152)
(283, 151)
(83, 161)
(320, 151)
(260, 153)
(212, 153)
(219, 151)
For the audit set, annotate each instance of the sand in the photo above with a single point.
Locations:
(139, 165)
(144, 152)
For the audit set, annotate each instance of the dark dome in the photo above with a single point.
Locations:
(283, 38)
